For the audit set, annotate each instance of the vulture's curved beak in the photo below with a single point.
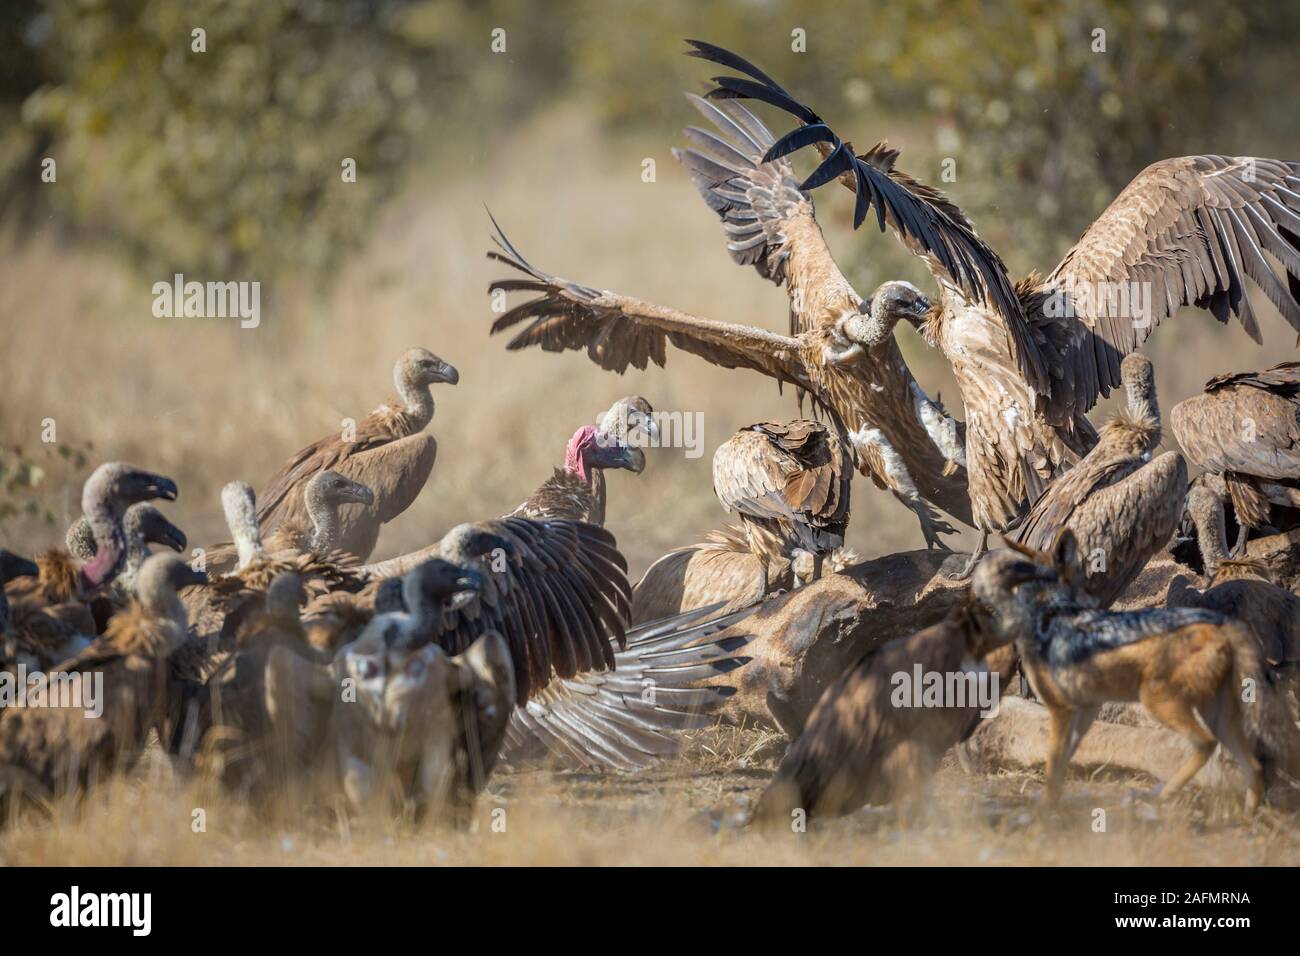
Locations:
(446, 372)
(172, 537)
(633, 459)
(12, 566)
(158, 486)
(358, 493)
(644, 422)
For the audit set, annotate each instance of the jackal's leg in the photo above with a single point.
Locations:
(1061, 720)
(1178, 715)
(1227, 727)
(1079, 724)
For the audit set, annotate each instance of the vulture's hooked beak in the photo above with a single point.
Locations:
(644, 422)
(446, 372)
(358, 493)
(159, 487)
(172, 537)
(633, 459)
(12, 566)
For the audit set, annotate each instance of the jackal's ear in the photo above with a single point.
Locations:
(1033, 554)
(1065, 552)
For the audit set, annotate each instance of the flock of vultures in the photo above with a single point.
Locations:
(406, 684)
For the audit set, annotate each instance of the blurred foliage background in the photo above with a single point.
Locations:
(231, 156)
(226, 164)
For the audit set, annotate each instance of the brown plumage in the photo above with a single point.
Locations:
(861, 745)
(789, 483)
(1033, 358)
(387, 452)
(1121, 505)
(1246, 428)
(48, 751)
(870, 388)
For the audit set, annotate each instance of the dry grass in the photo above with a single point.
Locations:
(206, 402)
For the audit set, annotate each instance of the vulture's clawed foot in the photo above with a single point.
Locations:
(969, 567)
(932, 526)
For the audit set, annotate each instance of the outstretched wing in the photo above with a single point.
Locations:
(617, 331)
(1185, 231)
(560, 599)
(768, 219)
(625, 720)
(926, 221)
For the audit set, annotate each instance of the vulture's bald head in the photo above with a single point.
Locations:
(420, 367)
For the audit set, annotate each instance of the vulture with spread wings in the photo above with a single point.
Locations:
(840, 351)
(1031, 358)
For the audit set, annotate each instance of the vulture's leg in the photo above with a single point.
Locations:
(1239, 548)
(975, 556)
(932, 525)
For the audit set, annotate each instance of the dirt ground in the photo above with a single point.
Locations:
(688, 812)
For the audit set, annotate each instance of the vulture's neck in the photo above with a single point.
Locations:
(575, 463)
(326, 528)
(1144, 407)
(110, 545)
(137, 549)
(162, 603)
(1211, 537)
(417, 402)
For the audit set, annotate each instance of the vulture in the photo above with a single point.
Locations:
(52, 616)
(1245, 429)
(789, 483)
(1031, 358)
(143, 525)
(871, 394)
(324, 498)
(387, 451)
(862, 746)
(46, 752)
(577, 491)
(426, 725)
(1122, 506)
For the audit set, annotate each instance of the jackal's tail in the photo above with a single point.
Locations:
(1265, 715)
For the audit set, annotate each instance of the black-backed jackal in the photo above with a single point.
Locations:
(1197, 672)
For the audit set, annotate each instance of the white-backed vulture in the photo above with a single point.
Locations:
(862, 746)
(577, 491)
(426, 726)
(1121, 505)
(324, 499)
(386, 451)
(1033, 357)
(1245, 427)
(876, 391)
(789, 484)
(52, 615)
(48, 751)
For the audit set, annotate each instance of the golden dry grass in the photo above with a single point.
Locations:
(205, 402)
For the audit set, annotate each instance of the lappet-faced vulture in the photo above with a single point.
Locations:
(1032, 357)
(577, 491)
(48, 751)
(386, 451)
(1245, 428)
(1121, 505)
(789, 483)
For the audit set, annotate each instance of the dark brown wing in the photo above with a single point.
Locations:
(768, 220)
(1057, 505)
(618, 331)
(798, 472)
(1189, 230)
(924, 219)
(282, 494)
(560, 496)
(560, 601)
(625, 720)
